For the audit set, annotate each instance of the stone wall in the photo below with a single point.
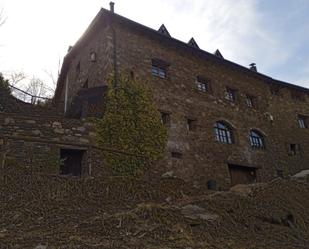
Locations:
(86, 72)
(36, 141)
(204, 158)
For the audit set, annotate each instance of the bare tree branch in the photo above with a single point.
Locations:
(2, 18)
(16, 77)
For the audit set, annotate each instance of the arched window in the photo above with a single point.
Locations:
(256, 139)
(223, 133)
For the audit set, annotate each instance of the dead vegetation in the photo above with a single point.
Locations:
(39, 211)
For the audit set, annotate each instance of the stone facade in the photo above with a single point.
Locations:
(36, 142)
(122, 45)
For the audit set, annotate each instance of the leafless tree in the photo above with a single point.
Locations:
(36, 87)
(2, 18)
(15, 78)
(53, 78)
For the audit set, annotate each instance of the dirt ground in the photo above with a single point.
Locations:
(49, 212)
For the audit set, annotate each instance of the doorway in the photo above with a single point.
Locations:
(71, 162)
(242, 174)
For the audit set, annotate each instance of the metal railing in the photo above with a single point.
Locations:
(27, 97)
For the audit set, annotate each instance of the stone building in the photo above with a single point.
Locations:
(226, 122)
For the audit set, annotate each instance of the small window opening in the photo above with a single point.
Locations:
(191, 124)
(250, 101)
(85, 86)
(202, 84)
(165, 118)
(159, 68)
(93, 56)
(132, 75)
(280, 173)
(230, 94)
(176, 154)
(71, 162)
(158, 72)
(294, 149)
(302, 121)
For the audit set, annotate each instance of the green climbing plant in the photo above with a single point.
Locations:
(5, 92)
(131, 124)
(4, 85)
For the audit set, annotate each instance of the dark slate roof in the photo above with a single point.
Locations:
(163, 30)
(105, 17)
(218, 54)
(193, 43)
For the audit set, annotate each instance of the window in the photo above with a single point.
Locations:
(256, 139)
(93, 56)
(302, 121)
(223, 133)
(85, 86)
(294, 149)
(159, 68)
(159, 72)
(202, 84)
(230, 94)
(71, 162)
(176, 154)
(191, 124)
(250, 101)
(132, 75)
(165, 118)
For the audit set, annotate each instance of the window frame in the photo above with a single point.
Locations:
(294, 149)
(256, 139)
(224, 132)
(302, 121)
(159, 68)
(250, 101)
(176, 154)
(159, 72)
(191, 124)
(230, 94)
(202, 84)
(165, 118)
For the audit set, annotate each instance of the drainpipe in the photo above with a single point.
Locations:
(115, 59)
(115, 83)
(66, 94)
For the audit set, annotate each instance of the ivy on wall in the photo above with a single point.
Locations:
(131, 124)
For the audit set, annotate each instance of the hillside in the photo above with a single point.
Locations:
(39, 211)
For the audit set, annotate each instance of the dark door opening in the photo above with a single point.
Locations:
(71, 162)
(242, 174)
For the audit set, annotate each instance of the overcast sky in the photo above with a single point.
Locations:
(274, 34)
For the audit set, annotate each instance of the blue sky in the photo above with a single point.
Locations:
(273, 34)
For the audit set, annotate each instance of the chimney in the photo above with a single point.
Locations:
(253, 67)
(111, 6)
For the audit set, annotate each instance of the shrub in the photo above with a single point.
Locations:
(131, 123)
